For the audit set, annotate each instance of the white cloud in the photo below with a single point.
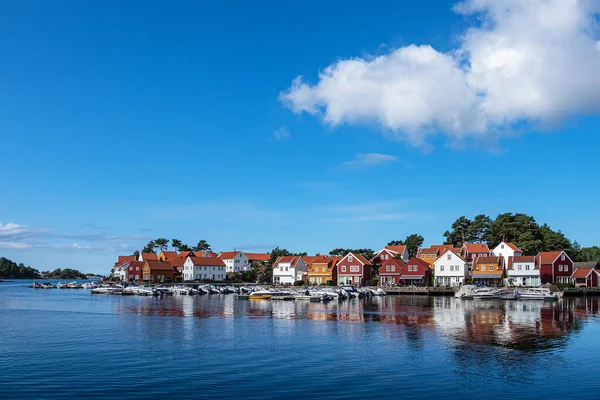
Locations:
(370, 159)
(6, 245)
(535, 61)
(281, 133)
(12, 229)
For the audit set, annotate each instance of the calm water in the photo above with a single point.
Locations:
(68, 343)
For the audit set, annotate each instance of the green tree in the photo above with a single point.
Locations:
(202, 246)
(395, 243)
(588, 254)
(136, 254)
(149, 247)
(412, 243)
(176, 243)
(479, 229)
(162, 244)
(460, 228)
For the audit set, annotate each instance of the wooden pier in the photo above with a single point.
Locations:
(581, 292)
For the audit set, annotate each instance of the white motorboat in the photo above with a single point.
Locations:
(351, 291)
(146, 291)
(537, 294)
(180, 290)
(486, 293)
(105, 289)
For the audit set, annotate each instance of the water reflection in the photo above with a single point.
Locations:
(510, 324)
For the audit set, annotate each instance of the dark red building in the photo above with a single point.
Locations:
(555, 267)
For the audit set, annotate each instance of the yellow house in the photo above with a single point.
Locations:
(322, 270)
(429, 255)
(488, 270)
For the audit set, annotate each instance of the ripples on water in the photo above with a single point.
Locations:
(68, 343)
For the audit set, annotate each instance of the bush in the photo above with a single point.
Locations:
(330, 283)
(299, 283)
(374, 281)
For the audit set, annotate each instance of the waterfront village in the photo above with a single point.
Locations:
(436, 265)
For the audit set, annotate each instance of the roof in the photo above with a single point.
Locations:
(429, 250)
(292, 260)
(205, 254)
(548, 257)
(258, 256)
(207, 261)
(122, 259)
(185, 254)
(359, 257)
(396, 249)
(170, 254)
(587, 264)
(418, 261)
(477, 247)
(176, 262)
(150, 256)
(512, 246)
(309, 260)
(488, 260)
(158, 265)
(227, 255)
(453, 252)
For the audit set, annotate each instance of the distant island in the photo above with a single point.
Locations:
(11, 270)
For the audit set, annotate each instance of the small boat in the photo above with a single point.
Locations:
(47, 285)
(74, 285)
(180, 290)
(351, 291)
(36, 285)
(282, 296)
(145, 291)
(486, 293)
(105, 289)
(262, 294)
(537, 294)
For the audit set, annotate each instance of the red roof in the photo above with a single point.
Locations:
(158, 265)
(292, 260)
(477, 248)
(397, 249)
(512, 246)
(205, 254)
(208, 261)
(258, 256)
(311, 259)
(170, 254)
(548, 257)
(176, 262)
(228, 255)
(150, 256)
(185, 254)
(419, 262)
(359, 257)
(488, 260)
(126, 258)
(582, 273)
(397, 262)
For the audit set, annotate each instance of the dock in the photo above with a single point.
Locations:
(421, 291)
(581, 292)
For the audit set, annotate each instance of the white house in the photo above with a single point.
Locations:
(506, 250)
(390, 252)
(198, 268)
(289, 269)
(121, 271)
(522, 271)
(235, 261)
(450, 269)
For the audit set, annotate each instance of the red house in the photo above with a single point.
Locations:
(390, 271)
(555, 267)
(587, 277)
(354, 269)
(134, 270)
(416, 272)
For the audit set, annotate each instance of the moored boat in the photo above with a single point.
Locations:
(537, 294)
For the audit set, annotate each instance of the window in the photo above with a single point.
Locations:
(354, 268)
(323, 269)
(422, 255)
(343, 268)
(441, 267)
(527, 268)
(560, 268)
(387, 268)
(483, 267)
(519, 267)
(566, 268)
(452, 268)
(449, 256)
(501, 246)
(350, 258)
(562, 257)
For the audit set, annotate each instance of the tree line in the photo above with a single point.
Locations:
(12, 270)
(520, 229)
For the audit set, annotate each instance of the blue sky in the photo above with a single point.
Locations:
(125, 121)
